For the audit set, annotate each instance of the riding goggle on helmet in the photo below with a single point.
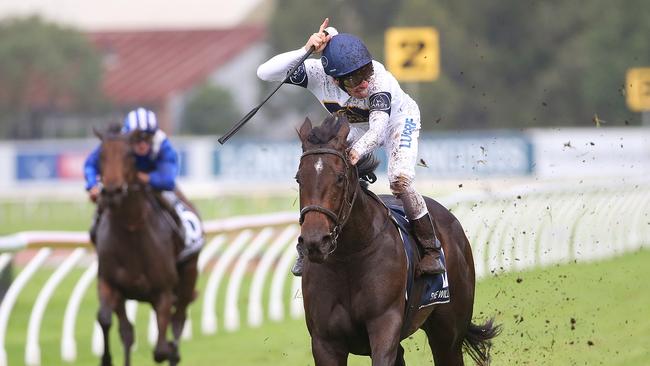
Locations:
(141, 123)
(347, 59)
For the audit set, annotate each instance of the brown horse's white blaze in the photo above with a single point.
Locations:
(323, 204)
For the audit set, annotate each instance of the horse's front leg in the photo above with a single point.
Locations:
(126, 331)
(163, 307)
(185, 294)
(383, 333)
(108, 299)
(328, 352)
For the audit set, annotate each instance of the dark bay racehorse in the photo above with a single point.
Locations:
(354, 282)
(136, 250)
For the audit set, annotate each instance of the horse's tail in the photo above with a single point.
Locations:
(478, 341)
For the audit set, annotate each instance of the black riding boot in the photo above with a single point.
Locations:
(426, 236)
(92, 233)
(167, 202)
(297, 267)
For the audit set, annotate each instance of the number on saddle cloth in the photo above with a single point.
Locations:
(191, 223)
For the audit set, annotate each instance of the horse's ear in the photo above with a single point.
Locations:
(305, 129)
(344, 130)
(98, 133)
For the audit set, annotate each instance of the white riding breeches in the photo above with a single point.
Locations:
(401, 143)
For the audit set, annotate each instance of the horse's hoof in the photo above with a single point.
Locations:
(174, 356)
(106, 361)
(160, 356)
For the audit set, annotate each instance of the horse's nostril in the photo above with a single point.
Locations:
(301, 240)
(327, 238)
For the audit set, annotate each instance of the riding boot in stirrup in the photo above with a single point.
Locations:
(426, 236)
(297, 267)
(92, 233)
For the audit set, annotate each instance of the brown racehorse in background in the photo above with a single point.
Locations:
(137, 250)
(355, 280)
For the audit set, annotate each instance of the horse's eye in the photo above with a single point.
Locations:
(340, 178)
(296, 178)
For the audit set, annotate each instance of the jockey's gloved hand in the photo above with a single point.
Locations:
(319, 40)
(353, 156)
(93, 193)
(143, 177)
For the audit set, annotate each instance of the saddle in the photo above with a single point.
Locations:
(423, 290)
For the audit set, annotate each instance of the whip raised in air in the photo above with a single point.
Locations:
(222, 140)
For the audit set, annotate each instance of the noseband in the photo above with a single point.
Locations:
(346, 207)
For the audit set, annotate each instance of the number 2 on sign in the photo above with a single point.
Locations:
(416, 47)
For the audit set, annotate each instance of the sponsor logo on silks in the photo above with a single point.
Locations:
(324, 61)
(354, 114)
(406, 138)
(299, 77)
(380, 102)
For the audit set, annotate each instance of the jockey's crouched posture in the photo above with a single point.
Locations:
(347, 80)
(156, 163)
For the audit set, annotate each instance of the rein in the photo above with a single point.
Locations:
(345, 210)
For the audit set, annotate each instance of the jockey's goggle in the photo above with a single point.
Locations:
(141, 136)
(355, 78)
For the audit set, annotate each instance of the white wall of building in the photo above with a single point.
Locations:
(138, 14)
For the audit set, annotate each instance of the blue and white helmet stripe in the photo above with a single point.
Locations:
(140, 119)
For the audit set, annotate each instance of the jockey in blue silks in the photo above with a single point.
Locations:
(155, 158)
(156, 162)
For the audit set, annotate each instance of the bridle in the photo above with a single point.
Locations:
(343, 215)
(128, 185)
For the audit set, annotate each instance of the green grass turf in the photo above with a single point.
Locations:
(608, 302)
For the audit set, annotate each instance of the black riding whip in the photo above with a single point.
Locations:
(249, 115)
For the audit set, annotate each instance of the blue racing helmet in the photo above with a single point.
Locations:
(344, 54)
(140, 119)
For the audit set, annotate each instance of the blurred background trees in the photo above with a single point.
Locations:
(47, 71)
(210, 110)
(506, 64)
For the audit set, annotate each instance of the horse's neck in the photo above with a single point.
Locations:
(133, 209)
(366, 222)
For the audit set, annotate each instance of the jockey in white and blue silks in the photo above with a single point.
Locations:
(347, 80)
(156, 163)
(156, 159)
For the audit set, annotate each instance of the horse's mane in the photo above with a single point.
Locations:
(328, 130)
(113, 130)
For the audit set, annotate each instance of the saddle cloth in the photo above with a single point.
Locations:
(192, 227)
(436, 287)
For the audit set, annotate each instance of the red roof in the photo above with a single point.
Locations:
(146, 66)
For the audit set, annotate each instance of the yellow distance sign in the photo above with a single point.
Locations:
(637, 89)
(413, 53)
